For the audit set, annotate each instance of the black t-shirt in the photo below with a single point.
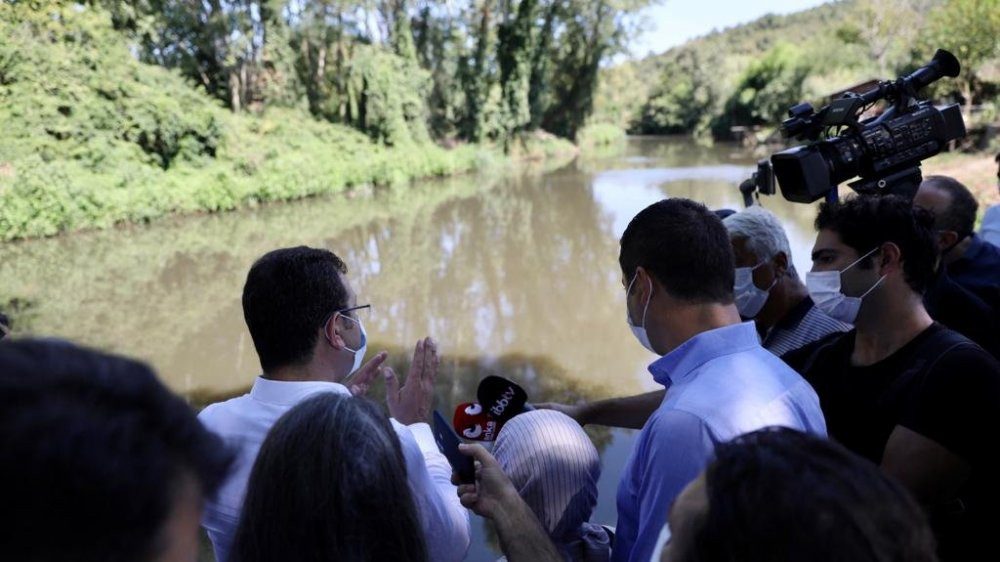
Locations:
(954, 306)
(940, 385)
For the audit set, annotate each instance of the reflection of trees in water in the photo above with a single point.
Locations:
(526, 268)
(169, 291)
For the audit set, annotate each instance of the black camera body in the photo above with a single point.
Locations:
(884, 152)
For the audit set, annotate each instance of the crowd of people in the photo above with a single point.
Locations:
(846, 416)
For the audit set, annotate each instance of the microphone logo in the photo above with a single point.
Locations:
(473, 432)
(501, 404)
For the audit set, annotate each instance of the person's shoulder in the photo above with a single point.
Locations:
(809, 358)
(671, 418)
(219, 414)
(953, 352)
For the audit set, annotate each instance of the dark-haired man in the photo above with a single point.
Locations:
(765, 483)
(908, 394)
(969, 261)
(100, 462)
(308, 331)
(677, 271)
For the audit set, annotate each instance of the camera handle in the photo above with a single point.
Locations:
(903, 183)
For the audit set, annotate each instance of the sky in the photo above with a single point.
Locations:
(673, 22)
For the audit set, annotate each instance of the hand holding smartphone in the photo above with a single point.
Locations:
(447, 442)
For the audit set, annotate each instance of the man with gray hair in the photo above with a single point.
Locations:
(768, 289)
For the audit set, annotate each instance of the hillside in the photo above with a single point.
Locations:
(750, 74)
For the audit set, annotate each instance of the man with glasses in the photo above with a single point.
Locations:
(308, 331)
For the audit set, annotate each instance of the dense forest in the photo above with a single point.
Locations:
(749, 75)
(126, 110)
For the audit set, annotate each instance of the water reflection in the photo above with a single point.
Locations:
(513, 272)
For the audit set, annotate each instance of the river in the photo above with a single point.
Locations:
(513, 271)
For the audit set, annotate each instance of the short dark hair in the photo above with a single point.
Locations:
(779, 494)
(867, 222)
(330, 483)
(684, 246)
(960, 216)
(93, 451)
(288, 295)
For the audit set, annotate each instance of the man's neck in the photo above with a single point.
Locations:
(688, 321)
(880, 333)
(302, 373)
(792, 295)
(959, 250)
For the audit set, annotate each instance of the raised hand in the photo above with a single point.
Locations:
(363, 377)
(411, 402)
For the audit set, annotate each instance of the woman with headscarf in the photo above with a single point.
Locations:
(555, 467)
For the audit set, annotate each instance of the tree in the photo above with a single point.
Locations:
(969, 29)
(768, 87)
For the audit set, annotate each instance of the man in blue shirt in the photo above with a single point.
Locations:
(677, 269)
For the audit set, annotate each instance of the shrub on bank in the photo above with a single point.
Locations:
(92, 137)
(599, 135)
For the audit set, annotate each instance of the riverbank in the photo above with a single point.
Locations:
(978, 171)
(281, 156)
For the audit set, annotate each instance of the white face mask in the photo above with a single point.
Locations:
(359, 353)
(749, 297)
(639, 331)
(824, 289)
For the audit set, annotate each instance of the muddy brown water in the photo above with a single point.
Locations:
(513, 271)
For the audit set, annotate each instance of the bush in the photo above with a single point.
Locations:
(93, 138)
(598, 135)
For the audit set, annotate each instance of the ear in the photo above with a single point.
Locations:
(947, 238)
(332, 332)
(891, 258)
(780, 264)
(641, 285)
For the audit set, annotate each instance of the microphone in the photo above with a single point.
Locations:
(473, 422)
(502, 398)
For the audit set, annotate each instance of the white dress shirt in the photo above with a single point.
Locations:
(243, 422)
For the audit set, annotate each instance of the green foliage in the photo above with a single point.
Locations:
(93, 138)
(970, 29)
(750, 74)
(683, 99)
(765, 91)
(391, 90)
(597, 135)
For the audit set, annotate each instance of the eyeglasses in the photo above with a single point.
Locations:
(345, 311)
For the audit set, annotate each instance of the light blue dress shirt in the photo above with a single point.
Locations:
(989, 229)
(720, 385)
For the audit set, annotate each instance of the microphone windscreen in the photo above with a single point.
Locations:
(472, 422)
(502, 398)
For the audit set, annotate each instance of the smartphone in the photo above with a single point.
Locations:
(448, 441)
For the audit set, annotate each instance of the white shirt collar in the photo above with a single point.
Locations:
(289, 393)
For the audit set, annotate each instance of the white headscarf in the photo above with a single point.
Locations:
(555, 467)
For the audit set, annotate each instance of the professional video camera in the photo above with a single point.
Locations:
(884, 151)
